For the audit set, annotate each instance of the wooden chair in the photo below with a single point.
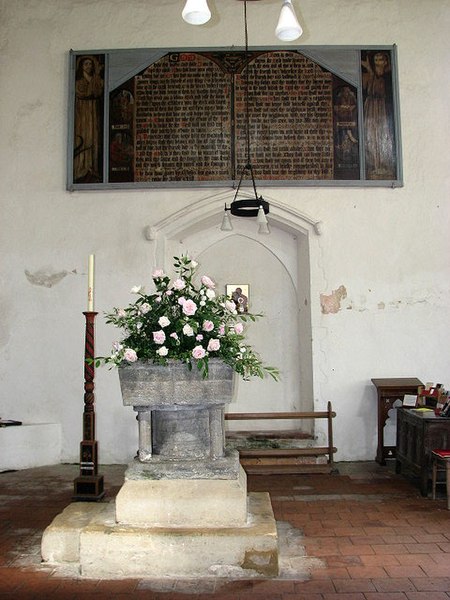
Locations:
(441, 462)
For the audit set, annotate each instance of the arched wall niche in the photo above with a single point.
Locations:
(277, 269)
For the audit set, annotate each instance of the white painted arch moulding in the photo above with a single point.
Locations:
(210, 209)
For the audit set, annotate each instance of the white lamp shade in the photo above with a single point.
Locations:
(196, 12)
(288, 28)
(226, 223)
(261, 218)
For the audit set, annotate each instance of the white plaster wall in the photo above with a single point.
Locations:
(387, 247)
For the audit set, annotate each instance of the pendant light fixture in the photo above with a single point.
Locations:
(247, 207)
(196, 12)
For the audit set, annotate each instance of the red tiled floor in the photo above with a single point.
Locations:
(365, 534)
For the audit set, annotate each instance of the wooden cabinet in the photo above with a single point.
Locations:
(388, 391)
(418, 434)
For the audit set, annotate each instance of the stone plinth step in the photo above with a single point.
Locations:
(111, 550)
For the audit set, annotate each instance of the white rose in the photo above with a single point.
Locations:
(230, 305)
(137, 289)
(187, 330)
(163, 321)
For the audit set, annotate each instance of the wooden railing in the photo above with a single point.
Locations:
(287, 460)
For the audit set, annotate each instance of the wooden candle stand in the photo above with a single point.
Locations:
(88, 487)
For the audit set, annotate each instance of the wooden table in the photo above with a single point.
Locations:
(418, 434)
(388, 391)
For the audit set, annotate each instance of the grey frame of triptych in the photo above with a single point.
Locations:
(134, 123)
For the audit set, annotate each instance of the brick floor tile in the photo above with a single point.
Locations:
(441, 584)
(394, 585)
(426, 538)
(426, 596)
(385, 596)
(366, 539)
(379, 560)
(425, 548)
(344, 596)
(417, 559)
(437, 570)
(351, 549)
(440, 559)
(321, 551)
(307, 596)
(393, 538)
(381, 531)
(406, 571)
(348, 531)
(330, 573)
(353, 585)
(343, 560)
(389, 548)
(364, 572)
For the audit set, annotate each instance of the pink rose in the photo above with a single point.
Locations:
(222, 330)
(189, 308)
(213, 345)
(199, 337)
(198, 352)
(174, 335)
(238, 328)
(130, 355)
(179, 284)
(209, 283)
(145, 308)
(159, 337)
(208, 325)
(158, 274)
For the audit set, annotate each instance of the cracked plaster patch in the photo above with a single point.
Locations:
(45, 278)
(331, 303)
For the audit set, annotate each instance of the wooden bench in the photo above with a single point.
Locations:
(270, 460)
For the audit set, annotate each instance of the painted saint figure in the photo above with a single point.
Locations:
(88, 141)
(240, 300)
(378, 118)
(346, 130)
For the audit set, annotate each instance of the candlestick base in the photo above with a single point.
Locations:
(88, 488)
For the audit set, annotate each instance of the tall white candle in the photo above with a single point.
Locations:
(91, 283)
